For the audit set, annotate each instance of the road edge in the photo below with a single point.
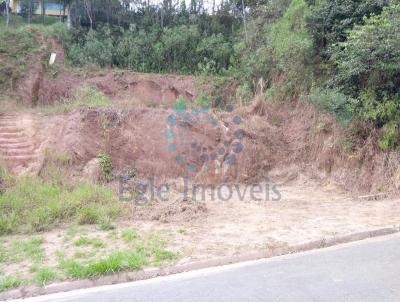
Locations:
(122, 277)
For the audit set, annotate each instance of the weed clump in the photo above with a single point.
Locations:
(38, 203)
(106, 165)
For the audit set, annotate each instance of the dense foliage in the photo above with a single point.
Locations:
(330, 21)
(182, 48)
(155, 38)
(369, 64)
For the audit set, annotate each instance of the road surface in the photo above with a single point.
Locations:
(364, 271)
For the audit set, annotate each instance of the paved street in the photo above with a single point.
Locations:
(363, 271)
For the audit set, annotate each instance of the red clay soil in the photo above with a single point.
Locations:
(43, 84)
(38, 87)
(288, 143)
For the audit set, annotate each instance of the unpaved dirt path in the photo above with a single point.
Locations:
(307, 212)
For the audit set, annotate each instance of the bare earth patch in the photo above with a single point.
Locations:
(305, 213)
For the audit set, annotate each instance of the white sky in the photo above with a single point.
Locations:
(207, 3)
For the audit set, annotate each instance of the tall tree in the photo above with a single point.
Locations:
(7, 12)
(89, 11)
(43, 11)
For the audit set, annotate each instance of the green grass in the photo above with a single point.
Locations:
(15, 48)
(83, 254)
(36, 20)
(89, 96)
(86, 96)
(44, 275)
(150, 250)
(84, 241)
(10, 282)
(19, 48)
(115, 262)
(129, 235)
(158, 252)
(23, 250)
(32, 204)
(182, 231)
(162, 255)
(71, 232)
(3, 255)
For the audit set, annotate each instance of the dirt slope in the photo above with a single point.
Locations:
(290, 143)
(286, 141)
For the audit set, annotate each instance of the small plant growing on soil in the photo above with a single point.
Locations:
(44, 275)
(36, 205)
(181, 103)
(89, 96)
(129, 235)
(390, 137)
(20, 250)
(4, 178)
(202, 101)
(85, 241)
(10, 282)
(106, 165)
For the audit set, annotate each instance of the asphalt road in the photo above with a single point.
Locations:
(364, 271)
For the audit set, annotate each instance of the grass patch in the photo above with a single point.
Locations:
(44, 275)
(115, 262)
(10, 282)
(22, 250)
(182, 231)
(20, 47)
(144, 251)
(86, 96)
(89, 96)
(84, 241)
(106, 165)
(158, 252)
(15, 48)
(82, 254)
(32, 204)
(36, 21)
(129, 235)
(71, 232)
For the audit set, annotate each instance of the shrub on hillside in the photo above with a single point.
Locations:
(369, 70)
(333, 101)
(96, 47)
(330, 20)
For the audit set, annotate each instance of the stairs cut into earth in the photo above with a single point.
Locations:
(17, 147)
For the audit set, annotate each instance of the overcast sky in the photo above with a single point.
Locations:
(207, 3)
